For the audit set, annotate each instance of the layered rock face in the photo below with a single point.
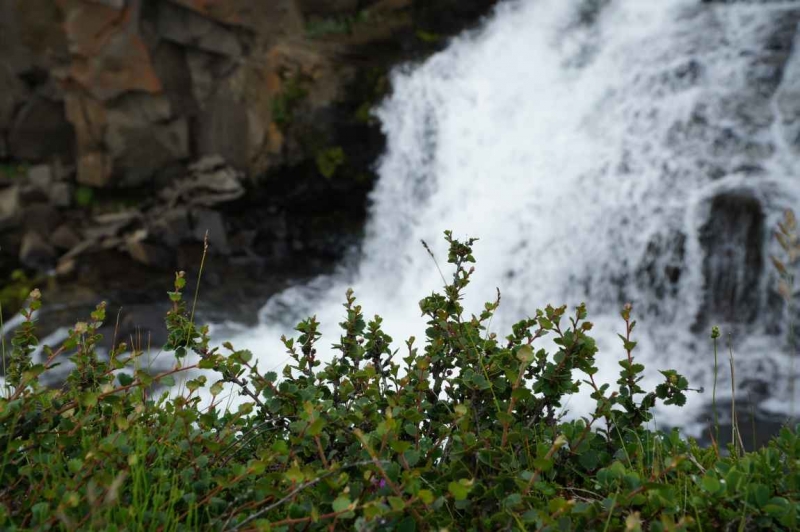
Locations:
(138, 125)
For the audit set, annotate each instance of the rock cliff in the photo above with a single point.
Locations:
(134, 127)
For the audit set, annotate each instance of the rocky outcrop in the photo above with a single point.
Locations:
(126, 88)
(135, 126)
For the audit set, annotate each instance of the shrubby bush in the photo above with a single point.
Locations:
(459, 432)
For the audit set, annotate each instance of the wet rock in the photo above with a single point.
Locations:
(660, 270)
(732, 240)
(35, 252)
(788, 102)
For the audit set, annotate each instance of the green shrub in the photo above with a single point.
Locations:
(460, 432)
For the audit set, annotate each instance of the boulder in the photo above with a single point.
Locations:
(35, 252)
(64, 238)
(60, 194)
(732, 240)
(40, 176)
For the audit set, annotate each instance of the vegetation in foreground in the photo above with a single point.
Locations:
(458, 432)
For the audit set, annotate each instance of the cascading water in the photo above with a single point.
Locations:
(603, 151)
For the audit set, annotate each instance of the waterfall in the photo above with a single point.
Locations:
(605, 151)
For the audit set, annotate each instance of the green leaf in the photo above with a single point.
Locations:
(341, 503)
(407, 525)
(459, 490)
(74, 465)
(426, 496)
(397, 504)
(124, 379)
(589, 459)
(217, 388)
(412, 456)
(711, 484)
(758, 494)
(525, 354)
(294, 475)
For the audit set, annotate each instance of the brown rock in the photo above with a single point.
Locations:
(35, 252)
(109, 56)
(94, 169)
(88, 117)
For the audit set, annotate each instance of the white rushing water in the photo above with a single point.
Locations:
(584, 154)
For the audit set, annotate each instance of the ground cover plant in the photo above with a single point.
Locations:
(458, 431)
